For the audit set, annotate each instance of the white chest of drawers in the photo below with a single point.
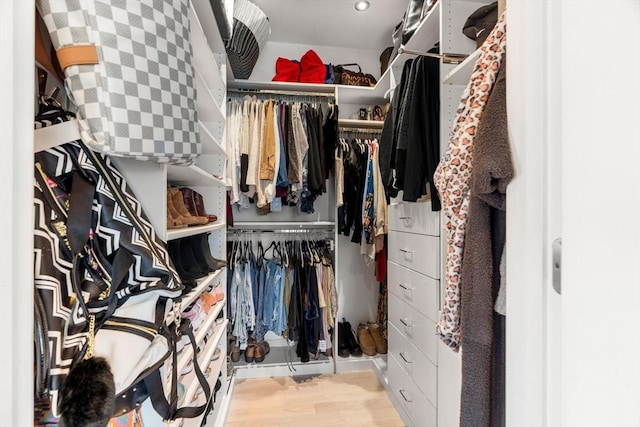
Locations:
(413, 271)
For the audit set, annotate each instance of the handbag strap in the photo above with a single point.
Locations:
(168, 409)
(351, 65)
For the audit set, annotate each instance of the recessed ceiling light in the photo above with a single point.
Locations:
(362, 5)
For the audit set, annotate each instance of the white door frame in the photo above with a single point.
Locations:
(574, 108)
(17, 78)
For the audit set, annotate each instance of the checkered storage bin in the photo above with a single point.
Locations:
(128, 69)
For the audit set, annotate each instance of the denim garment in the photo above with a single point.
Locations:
(248, 310)
(280, 314)
(273, 309)
(261, 328)
(235, 305)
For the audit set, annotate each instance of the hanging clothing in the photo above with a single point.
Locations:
(482, 329)
(330, 137)
(291, 293)
(418, 154)
(453, 174)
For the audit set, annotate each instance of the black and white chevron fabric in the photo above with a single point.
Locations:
(117, 225)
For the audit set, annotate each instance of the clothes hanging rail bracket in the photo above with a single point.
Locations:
(447, 58)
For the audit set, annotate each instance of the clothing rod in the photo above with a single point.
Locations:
(348, 124)
(280, 92)
(447, 58)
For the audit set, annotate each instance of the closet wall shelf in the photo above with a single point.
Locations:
(461, 74)
(205, 14)
(362, 95)
(423, 39)
(191, 381)
(210, 144)
(281, 87)
(203, 59)
(192, 296)
(367, 124)
(52, 136)
(192, 176)
(192, 231)
(283, 225)
(187, 353)
(209, 109)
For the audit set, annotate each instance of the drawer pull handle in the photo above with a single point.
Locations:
(406, 323)
(405, 358)
(406, 251)
(405, 287)
(404, 217)
(404, 396)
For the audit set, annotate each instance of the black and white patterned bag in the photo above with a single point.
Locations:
(128, 69)
(104, 281)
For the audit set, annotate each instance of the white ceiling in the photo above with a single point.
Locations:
(333, 22)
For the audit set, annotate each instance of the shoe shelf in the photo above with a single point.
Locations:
(461, 74)
(192, 296)
(214, 367)
(282, 361)
(179, 233)
(364, 362)
(200, 333)
(192, 176)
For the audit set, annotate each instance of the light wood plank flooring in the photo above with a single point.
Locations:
(351, 399)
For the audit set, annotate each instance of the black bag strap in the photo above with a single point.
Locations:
(121, 199)
(350, 65)
(168, 409)
(80, 205)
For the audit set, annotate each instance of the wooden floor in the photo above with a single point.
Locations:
(350, 399)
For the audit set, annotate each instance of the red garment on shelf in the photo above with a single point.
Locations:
(313, 69)
(287, 70)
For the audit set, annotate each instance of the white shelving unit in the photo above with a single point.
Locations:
(150, 181)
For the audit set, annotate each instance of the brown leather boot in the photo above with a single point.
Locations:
(178, 205)
(174, 219)
(365, 339)
(249, 353)
(198, 202)
(378, 339)
(259, 352)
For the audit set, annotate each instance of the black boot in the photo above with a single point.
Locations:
(199, 256)
(354, 347)
(188, 279)
(189, 259)
(201, 242)
(343, 342)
